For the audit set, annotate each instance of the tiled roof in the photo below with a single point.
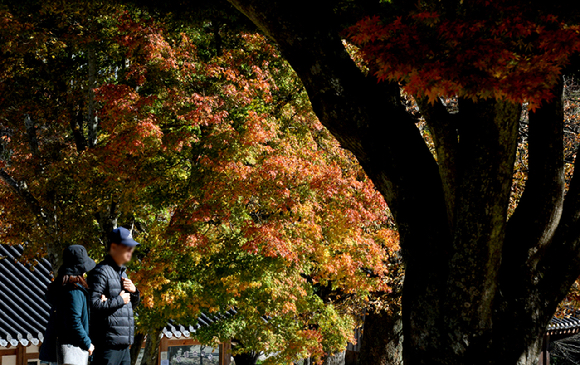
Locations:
(23, 310)
(177, 330)
(560, 326)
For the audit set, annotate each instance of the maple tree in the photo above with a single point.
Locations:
(240, 196)
(255, 227)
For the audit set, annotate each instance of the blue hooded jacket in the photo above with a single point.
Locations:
(73, 316)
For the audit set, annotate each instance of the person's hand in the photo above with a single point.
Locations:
(103, 298)
(126, 296)
(129, 286)
(91, 349)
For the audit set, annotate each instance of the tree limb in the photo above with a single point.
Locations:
(93, 121)
(560, 265)
(444, 132)
(366, 117)
(538, 213)
(21, 189)
(485, 160)
(76, 121)
(31, 131)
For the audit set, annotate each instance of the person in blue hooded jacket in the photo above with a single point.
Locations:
(69, 296)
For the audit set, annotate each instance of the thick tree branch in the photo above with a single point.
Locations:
(554, 263)
(217, 38)
(368, 118)
(560, 265)
(365, 116)
(541, 258)
(536, 218)
(108, 220)
(443, 128)
(21, 189)
(76, 124)
(485, 161)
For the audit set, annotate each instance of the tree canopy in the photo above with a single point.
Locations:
(203, 142)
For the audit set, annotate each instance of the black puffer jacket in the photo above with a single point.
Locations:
(112, 322)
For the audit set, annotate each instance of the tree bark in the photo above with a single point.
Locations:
(217, 36)
(384, 344)
(477, 290)
(31, 132)
(108, 219)
(77, 125)
(151, 352)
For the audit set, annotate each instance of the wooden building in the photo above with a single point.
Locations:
(559, 329)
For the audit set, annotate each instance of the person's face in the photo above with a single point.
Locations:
(121, 253)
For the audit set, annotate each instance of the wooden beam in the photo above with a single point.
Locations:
(182, 342)
(162, 348)
(32, 355)
(8, 352)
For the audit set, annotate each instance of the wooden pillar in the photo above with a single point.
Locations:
(163, 346)
(545, 354)
(21, 355)
(546, 349)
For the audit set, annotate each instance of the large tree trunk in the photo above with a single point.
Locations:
(244, 358)
(531, 354)
(477, 290)
(382, 341)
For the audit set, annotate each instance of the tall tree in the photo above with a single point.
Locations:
(479, 289)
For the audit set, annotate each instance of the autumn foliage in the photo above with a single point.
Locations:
(273, 218)
(480, 49)
(241, 198)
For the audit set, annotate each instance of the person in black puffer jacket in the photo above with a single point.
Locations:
(113, 297)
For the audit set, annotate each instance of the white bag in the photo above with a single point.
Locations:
(68, 354)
